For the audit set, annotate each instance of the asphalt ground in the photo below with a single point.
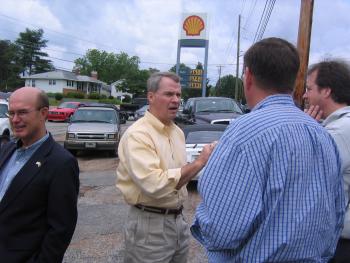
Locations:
(102, 212)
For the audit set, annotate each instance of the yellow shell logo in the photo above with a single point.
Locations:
(193, 25)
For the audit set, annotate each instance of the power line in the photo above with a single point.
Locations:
(261, 18)
(54, 31)
(250, 13)
(265, 17)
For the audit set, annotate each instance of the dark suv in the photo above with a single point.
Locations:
(212, 110)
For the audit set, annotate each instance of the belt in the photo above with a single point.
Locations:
(158, 210)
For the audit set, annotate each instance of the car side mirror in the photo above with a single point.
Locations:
(185, 111)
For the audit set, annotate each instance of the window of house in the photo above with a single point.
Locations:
(53, 82)
(50, 82)
(33, 82)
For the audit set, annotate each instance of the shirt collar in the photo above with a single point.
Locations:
(19, 143)
(336, 115)
(157, 123)
(276, 99)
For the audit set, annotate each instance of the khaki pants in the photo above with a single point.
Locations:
(151, 237)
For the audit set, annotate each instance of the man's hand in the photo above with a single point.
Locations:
(190, 170)
(315, 112)
(206, 152)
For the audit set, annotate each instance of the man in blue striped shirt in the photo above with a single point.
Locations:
(272, 189)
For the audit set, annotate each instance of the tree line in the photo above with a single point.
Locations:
(26, 56)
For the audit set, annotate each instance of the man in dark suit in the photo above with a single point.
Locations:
(39, 185)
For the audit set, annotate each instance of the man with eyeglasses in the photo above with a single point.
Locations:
(39, 185)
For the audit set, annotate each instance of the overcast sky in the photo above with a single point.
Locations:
(149, 29)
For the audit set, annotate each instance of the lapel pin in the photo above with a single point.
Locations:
(38, 164)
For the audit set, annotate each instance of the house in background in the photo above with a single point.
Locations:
(118, 94)
(65, 81)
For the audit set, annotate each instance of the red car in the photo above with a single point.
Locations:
(64, 111)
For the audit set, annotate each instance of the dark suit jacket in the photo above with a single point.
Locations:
(38, 213)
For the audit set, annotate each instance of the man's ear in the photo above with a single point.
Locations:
(248, 78)
(44, 112)
(150, 97)
(326, 92)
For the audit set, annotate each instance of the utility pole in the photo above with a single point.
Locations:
(304, 35)
(237, 65)
(219, 83)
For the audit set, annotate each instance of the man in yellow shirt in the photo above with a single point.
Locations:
(152, 175)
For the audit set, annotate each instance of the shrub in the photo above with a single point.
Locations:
(51, 94)
(110, 101)
(58, 96)
(76, 95)
(127, 99)
(94, 96)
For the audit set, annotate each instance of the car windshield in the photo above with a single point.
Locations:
(3, 110)
(217, 105)
(104, 116)
(203, 136)
(68, 105)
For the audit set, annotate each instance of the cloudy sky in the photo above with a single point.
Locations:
(149, 29)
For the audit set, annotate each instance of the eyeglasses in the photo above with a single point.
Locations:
(20, 113)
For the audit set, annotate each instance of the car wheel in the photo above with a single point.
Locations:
(73, 152)
(113, 153)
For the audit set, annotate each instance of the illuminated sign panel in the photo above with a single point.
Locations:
(194, 26)
(196, 78)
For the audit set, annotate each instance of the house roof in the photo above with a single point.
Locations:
(63, 74)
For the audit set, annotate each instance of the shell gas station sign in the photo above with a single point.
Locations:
(193, 34)
(193, 26)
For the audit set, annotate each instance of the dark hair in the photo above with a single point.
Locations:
(154, 79)
(43, 100)
(274, 62)
(333, 74)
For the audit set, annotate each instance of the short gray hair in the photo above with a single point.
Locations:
(155, 78)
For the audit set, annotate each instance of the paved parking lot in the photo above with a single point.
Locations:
(102, 211)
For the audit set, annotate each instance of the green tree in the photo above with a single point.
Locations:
(225, 87)
(32, 59)
(9, 67)
(113, 67)
(199, 65)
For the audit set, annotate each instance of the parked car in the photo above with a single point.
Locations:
(64, 111)
(122, 118)
(5, 129)
(93, 128)
(141, 112)
(129, 109)
(197, 136)
(209, 110)
(5, 95)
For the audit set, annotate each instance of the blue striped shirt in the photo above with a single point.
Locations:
(272, 189)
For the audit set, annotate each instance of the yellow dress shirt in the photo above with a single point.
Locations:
(151, 155)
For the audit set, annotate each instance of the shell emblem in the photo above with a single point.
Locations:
(193, 25)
